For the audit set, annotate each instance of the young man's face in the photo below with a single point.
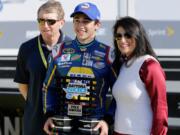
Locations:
(85, 28)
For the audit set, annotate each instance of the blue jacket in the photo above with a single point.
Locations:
(78, 79)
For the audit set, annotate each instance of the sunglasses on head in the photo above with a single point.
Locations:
(48, 21)
(126, 35)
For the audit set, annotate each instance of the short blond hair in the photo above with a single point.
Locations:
(52, 6)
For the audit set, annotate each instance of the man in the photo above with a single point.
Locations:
(32, 64)
(82, 72)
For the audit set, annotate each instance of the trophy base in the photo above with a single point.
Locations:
(86, 126)
(62, 124)
(66, 125)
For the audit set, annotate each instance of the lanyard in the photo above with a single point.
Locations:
(42, 54)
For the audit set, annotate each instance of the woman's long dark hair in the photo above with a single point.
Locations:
(135, 28)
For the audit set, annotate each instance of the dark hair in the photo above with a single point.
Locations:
(135, 28)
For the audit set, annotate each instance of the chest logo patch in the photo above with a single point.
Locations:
(75, 88)
(65, 57)
(68, 50)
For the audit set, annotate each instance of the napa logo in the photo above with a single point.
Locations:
(1, 5)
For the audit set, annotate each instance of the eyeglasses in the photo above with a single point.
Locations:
(119, 36)
(49, 21)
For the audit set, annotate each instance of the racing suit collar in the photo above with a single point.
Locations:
(84, 45)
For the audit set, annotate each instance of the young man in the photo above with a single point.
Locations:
(82, 72)
(32, 64)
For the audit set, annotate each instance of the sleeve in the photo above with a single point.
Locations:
(48, 90)
(21, 74)
(51, 97)
(109, 116)
(153, 77)
(112, 74)
(110, 55)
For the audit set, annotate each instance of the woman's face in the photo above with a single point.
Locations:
(125, 41)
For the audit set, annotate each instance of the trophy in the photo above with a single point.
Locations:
(77, 102)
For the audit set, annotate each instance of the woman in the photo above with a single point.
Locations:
(140, 89)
